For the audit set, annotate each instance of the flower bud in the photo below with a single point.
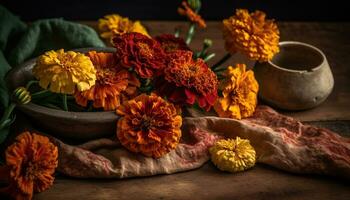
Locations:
(195, 4)
(207, 43)
(21, 96)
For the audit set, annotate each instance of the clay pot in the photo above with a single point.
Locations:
(63, 124)
(297, 78)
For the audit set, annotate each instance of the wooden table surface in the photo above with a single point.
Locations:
(262, 182)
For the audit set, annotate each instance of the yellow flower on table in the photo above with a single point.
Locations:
(239, 93)
(251, 34)
(64, 72)
(116, 24)
(233, 155)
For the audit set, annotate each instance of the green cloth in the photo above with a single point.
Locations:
(20, 42)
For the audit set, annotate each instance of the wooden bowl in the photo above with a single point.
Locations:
(297, 78)
(63, 124)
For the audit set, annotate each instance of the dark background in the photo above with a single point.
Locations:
(282, 10)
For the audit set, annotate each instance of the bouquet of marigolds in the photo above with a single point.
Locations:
(147, 81)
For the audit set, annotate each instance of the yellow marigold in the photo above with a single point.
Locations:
(239, 93)
(233, 155)
(31, 162)
(64, 72)
(251, 34)
(149, 125)
(116, 24)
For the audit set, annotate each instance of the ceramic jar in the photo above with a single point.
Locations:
(297, 78)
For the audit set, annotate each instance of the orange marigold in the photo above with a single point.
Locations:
(113, 83)
(251, 34)
(31, 162)
(239, 93)
(194, 17)
(138, 52)
(149, 125)
(186, 81)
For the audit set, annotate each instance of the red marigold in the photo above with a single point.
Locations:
(143, 54)
(186, 80)
(30, 165)
(113, 83)
(149, 125)
(171, 43)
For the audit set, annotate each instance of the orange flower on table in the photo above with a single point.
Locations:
(239, 93)
(112, 83)
(113, 24)
(30, 163)
(194, 17)
(187, 81)
(170, 43)
(142, 54)
(251, 34)
(149, 125)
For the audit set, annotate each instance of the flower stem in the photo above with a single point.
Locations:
(202, 53)
(65, 105)
(190, 33)
(4, 122)
(221, 61)
(30, 83)
(219, 69)
(208, 57)
(177, 32)
(40, 94)
(90, 106)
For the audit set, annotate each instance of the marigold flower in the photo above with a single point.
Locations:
(239, 91)
(233, 155)
(64, 72)
(31, 161)
(149, 125)
(186, 81)
(251, 34)
(116, 24)
(194, 17)
(143, 54)
(170, 43)
(112, 83)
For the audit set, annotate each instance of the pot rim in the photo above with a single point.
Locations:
(300, 44)
(86, 116)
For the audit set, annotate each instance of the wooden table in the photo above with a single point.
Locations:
(262, 182)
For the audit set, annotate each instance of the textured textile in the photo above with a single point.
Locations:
(280, 141)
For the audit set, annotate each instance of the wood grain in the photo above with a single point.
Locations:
(205, 183)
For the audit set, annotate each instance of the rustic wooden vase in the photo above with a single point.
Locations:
(297, 78)
(59, 123)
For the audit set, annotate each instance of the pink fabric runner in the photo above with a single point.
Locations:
(280, 141)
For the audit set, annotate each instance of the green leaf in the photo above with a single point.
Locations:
(3, 134)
